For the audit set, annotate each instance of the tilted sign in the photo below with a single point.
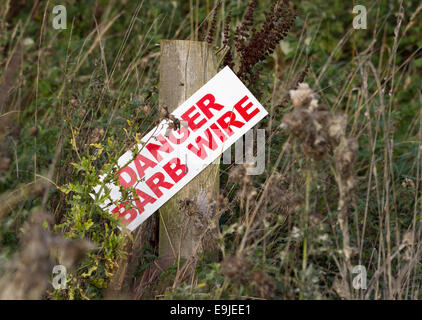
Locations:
(217, 115)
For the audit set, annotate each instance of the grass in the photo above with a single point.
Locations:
(72, 101)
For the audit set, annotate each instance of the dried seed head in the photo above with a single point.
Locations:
(300, 123)
(313, 105)
(319, 130)
(238, 174)
(73, 102)
(40, 249)
(234, 267)
(263, 284)
(280, 199)
(345, 157)
(82, 113)
(302, 96)
(337, 127)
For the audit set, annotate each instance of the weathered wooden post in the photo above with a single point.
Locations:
(185, 67)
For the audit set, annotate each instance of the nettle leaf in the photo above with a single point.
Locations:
(88, 224)
(84, 165)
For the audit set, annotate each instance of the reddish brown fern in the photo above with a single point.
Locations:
(255, 46)
(211, 32)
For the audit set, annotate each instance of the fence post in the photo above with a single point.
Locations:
(185, 66)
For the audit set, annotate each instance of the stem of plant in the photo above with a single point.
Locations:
(305, 227)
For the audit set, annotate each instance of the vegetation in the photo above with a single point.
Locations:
(342, 185)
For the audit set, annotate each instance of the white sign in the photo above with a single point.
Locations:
(216, 115)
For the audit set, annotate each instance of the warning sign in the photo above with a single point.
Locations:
(215, 116)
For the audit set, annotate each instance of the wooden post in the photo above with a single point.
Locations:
(185, 66)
